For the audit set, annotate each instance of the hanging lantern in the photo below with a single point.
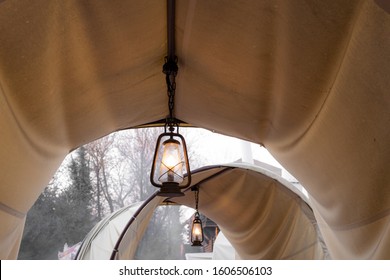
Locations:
(197, 231)
(170, 164)
(197, 227)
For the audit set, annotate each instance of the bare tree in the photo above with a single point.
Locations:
(137, 148)
(98, 152)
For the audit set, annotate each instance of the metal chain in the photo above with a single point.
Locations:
(196, 199)
(170, 69)
(171, 85)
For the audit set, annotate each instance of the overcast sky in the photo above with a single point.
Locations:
(218, 149)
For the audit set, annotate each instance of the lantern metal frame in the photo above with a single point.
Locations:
(171, 189)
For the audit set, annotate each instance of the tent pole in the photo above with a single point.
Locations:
(171, 29)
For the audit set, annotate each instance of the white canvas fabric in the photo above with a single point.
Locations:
(223, 249)
(306, 79)
(278, 223)
(102, 239)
